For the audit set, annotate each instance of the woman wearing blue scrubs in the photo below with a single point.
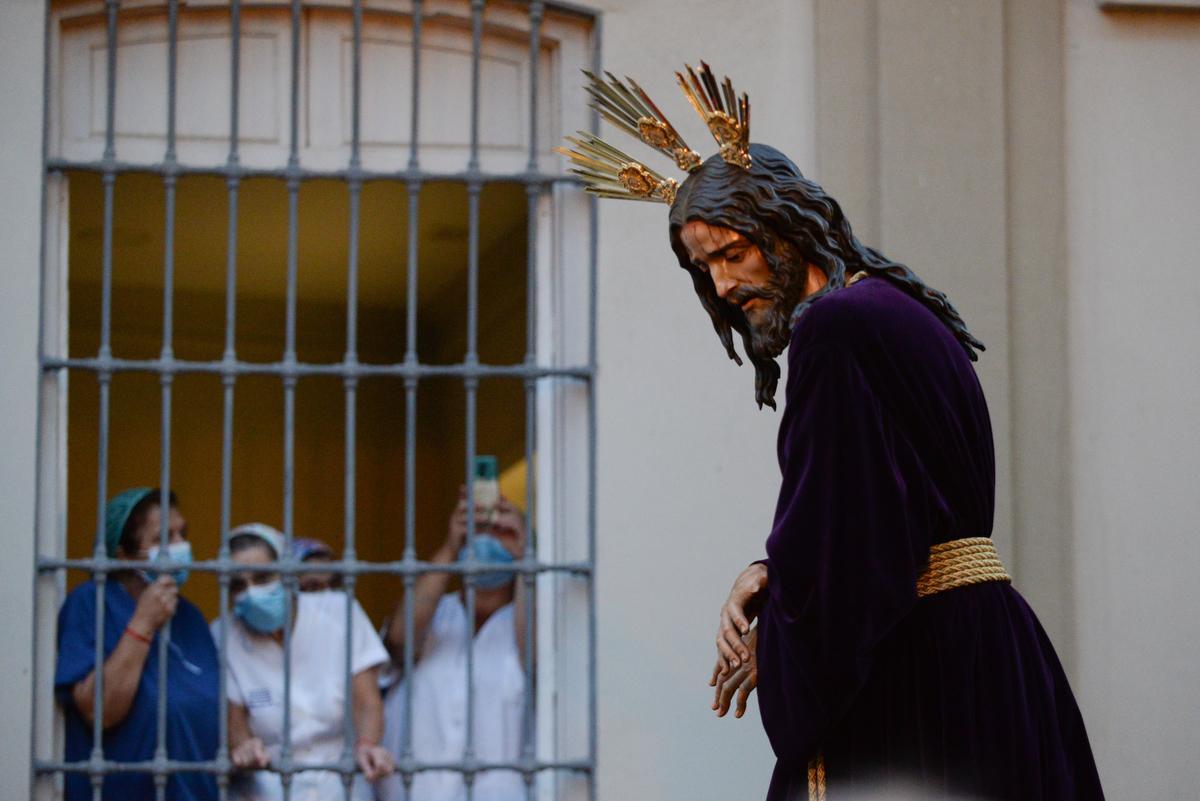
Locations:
(137, 606)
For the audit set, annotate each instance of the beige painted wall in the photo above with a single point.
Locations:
(910, 127)
(939, 130)
(21, 25)
(1057, 142)
(1133, 189)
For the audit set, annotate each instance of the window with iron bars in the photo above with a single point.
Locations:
(424, 128)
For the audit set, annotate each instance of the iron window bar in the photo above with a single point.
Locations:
(410, 404)
(356, 567)
(529, 580)
(409, 173)
(354, 185)
(471, 385)
(296, 369)
(471, 371)
(166, 383)
(286, 764)
(233, 183)
(168, 767)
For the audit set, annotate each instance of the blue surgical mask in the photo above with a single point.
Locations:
(176, 552)
(263, 607)
(490, 551)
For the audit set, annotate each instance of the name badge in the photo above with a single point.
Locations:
(256, 699)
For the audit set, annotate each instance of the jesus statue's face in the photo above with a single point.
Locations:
(736, 265)
(743, 278)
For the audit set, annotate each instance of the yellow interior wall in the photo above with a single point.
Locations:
(257, 462)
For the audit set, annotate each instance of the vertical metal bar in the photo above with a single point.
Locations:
(165, 379)
(349, 555)
(472, 386)
(417, 13)
(110, 88)
(40, 534)
(97, 755)
(228, 380)
(536, 10)
(410, 401)
(289, 422)
(289, 397)
(104, 378)
(476, 52)
(101, 553)
(591, 503)
(593, 256)
(471, 383)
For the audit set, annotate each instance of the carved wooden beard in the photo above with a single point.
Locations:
(772, 329)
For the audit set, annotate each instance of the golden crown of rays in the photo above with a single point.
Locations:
(609, 172)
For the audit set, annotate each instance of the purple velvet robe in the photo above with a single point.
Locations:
(885, 446)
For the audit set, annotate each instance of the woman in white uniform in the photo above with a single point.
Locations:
(255, 682)
(441, 635)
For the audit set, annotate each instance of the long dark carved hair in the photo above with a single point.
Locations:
(786, 216)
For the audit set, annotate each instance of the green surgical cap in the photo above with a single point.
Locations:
(116, 515)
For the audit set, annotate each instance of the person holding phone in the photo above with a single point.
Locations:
(441, 635)
(138, 606)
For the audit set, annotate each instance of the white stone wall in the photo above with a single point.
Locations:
(1133, 195)
(21, 25)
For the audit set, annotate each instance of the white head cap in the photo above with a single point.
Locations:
(271, 536)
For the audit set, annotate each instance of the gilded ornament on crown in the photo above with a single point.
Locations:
(637, 179)
(727, 116)
(608, 172)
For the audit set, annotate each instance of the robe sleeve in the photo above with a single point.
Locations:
(851, 534)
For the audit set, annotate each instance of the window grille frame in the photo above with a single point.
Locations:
(55, 369)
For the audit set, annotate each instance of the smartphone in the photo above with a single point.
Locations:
(487, 484)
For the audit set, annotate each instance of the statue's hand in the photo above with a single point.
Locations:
(737, 613)
(741, 682)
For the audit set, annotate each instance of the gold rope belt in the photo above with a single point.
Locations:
(957, 563)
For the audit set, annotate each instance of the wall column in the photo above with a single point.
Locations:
(22, 23)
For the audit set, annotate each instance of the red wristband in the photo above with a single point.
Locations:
(137, 635)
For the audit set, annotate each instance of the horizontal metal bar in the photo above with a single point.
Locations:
(231, 368)
(231, 170)
(171, 766)
(397, 568)
(561, 7)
